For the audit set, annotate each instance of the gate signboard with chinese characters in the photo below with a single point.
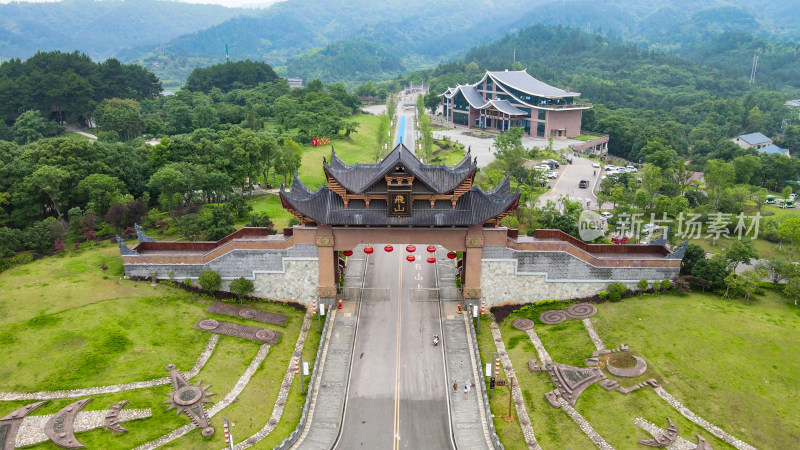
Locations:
(399, 202)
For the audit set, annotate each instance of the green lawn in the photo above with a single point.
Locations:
(731, 363)
(358, 147)
(68, 324)
(271, 204)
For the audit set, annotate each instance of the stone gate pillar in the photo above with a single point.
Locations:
(327, 262)
(472, 269)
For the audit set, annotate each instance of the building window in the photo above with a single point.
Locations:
(461, 118)
(527, 125)
(489, 96)
(540, 129)
(542, 114)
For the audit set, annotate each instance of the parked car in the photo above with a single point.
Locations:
(542, 168)
(631, 169)
(770, 200)
(793, 196)
(649, 228)
(606, 215)
(552, 174)
(611, 167)
(583, 184)
(596, 164)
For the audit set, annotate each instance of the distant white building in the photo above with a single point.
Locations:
(793, 103)
(753, 140)
(295, 82)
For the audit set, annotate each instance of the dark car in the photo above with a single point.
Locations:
(583, 184)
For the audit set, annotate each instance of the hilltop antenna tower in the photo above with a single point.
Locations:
(227, 57)
(753, 70)
(515, 55)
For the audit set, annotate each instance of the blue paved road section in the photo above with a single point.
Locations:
(401, 132)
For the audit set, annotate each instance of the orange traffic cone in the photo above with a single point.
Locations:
(459, 308)
(340, 303)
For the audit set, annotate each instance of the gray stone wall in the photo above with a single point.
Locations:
(298, 283)
(510, 276)
(289, 274)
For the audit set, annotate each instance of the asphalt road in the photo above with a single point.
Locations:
(397, 395)
(568, 179)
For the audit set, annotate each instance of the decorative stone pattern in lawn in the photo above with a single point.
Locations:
(579, 311)
(248, 313)
(242, 331)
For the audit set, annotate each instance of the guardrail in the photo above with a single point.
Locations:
(292, 439)
(486, 405)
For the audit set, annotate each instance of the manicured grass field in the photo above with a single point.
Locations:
(68, 324)
(358, 147)
(732, 364)
(271, 204)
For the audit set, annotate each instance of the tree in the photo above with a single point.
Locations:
(121, 115)
(29, 126)
(792, 289)
(241, 287)
(719, 176)
(787, 192)
(778, 269)
(745, 284)
(101, 190)
(712, 272)
(210, 280)
(221, 223)
(52, 181)
(642, 286)
(789, 230)
(694, 253)
(742, 251)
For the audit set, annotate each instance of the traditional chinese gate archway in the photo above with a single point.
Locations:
(400, 201)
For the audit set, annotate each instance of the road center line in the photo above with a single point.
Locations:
(396, 440)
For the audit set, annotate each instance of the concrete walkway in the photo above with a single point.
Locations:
(468, 417)
(328, 399)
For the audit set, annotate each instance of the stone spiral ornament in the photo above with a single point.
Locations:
(579, 311)
(208, 324)
(523, 324)
(553, 316)
(582, 310)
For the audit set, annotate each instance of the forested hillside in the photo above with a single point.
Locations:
(646, 101)
(101, 28)
(413, 28)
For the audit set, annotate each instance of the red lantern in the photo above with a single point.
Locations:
(411, 248)
(410, 258)
(431, 260)
(388, 248)
(368, 249)
(348, 253)
(452, 255)
(431, 249)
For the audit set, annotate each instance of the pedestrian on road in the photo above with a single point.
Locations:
(455, 386)
(466, 391)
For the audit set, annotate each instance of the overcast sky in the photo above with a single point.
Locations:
(217, 2)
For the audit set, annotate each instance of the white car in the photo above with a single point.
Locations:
(542, 168)
(650, 228)
(596, 164)
(606, 215)
(631, 169)
(552, 174)
(611, 167)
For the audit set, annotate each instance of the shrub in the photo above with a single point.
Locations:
(614, 296)
(210, 280)
(188, 282)
(603, 295)
(665, 284)
(642, 285)
(241, 287)
(618, 287)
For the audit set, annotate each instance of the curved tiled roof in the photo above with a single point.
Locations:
(521, 80)
(359, 178)
(473, 208)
